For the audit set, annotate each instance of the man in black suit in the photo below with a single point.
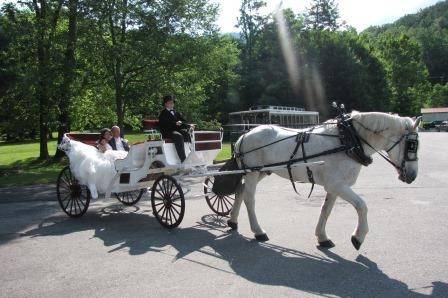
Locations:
(172, 125)
(117, 142)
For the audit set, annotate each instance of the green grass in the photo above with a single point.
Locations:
(19, 165)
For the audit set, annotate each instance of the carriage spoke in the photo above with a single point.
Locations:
(224, 203)
(164, 187)
(228, 197)
(82, 202)
(71, 206)
(175, 209)
(65, 198)
(212, 197)
(174, 214)
(163, 213)
(175, 204)
(214, 202)
(171, 188)
(161, 195)
(228, 201)
(172, 195)
(158, 211)
(79, 206)
(169, 213)
(158, 204)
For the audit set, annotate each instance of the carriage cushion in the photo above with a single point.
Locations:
(150, 124)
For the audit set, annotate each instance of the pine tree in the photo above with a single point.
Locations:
(322, 15)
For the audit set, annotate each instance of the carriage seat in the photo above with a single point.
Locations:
(153, 124)
(135, 158)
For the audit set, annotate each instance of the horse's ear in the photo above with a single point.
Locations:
(417, 122)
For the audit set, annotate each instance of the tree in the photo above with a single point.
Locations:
(322, 15)
(251, 22)
(407, 74)
(68, 73)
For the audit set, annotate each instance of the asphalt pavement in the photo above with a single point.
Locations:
(118, 251)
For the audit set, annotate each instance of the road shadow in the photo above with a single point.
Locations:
(322, 273)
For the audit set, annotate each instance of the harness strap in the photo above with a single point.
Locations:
(300, 140)
(382, 154)
(308, 171)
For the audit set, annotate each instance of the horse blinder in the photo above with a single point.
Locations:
(411, 147)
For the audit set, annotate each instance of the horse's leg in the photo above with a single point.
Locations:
(233, 221)
(325, 211)
(250, 186)
(346, 193)
(239, 196)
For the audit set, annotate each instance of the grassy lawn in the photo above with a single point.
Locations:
(19, 165)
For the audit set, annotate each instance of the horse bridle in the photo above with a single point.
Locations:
(410, 151)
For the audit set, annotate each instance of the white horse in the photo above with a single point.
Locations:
(383, 132)
(91, 167)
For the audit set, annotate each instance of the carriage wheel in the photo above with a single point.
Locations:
(221, 205)
(73, 197)
(130, 198)
(168, 202)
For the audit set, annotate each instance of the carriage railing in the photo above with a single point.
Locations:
(206, 140)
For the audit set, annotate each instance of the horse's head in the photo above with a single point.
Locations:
(403, 151)
(65, 144)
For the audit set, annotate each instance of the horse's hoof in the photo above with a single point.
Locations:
(262, 237)
(326, 244)
(232, 225)
(356, 243)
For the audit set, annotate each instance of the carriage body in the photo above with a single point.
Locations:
(146, 161)
(154, 166)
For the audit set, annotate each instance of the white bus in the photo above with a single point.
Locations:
(292, 117)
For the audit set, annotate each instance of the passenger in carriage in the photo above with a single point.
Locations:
(117, 142)
(172, 125)
(103, 141)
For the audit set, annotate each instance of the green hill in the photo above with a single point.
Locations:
(430, 28)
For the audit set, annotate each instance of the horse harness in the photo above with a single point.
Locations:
(351, 144)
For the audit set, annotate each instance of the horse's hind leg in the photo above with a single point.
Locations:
(233, 221)
(239, 197)
(325, 212)
(250, 186)
(346, 193)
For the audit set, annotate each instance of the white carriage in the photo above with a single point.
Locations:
(154, 166)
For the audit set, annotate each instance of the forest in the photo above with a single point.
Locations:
(77, 65)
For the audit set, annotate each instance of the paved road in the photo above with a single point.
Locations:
(115, 251)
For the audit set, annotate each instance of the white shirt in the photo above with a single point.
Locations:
(108, 147)
(171, 111)
(119, 144)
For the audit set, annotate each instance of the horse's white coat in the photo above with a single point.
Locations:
(338, 173)
(91, 167)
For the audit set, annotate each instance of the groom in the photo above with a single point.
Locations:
(117, 142)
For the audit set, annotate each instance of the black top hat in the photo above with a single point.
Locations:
(168, 97)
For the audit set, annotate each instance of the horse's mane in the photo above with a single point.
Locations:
(377, 121)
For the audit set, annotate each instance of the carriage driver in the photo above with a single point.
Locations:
(172, 125)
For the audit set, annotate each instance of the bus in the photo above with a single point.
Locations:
(292, 117)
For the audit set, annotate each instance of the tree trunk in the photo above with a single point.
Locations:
(69, 74)
(42, 86)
